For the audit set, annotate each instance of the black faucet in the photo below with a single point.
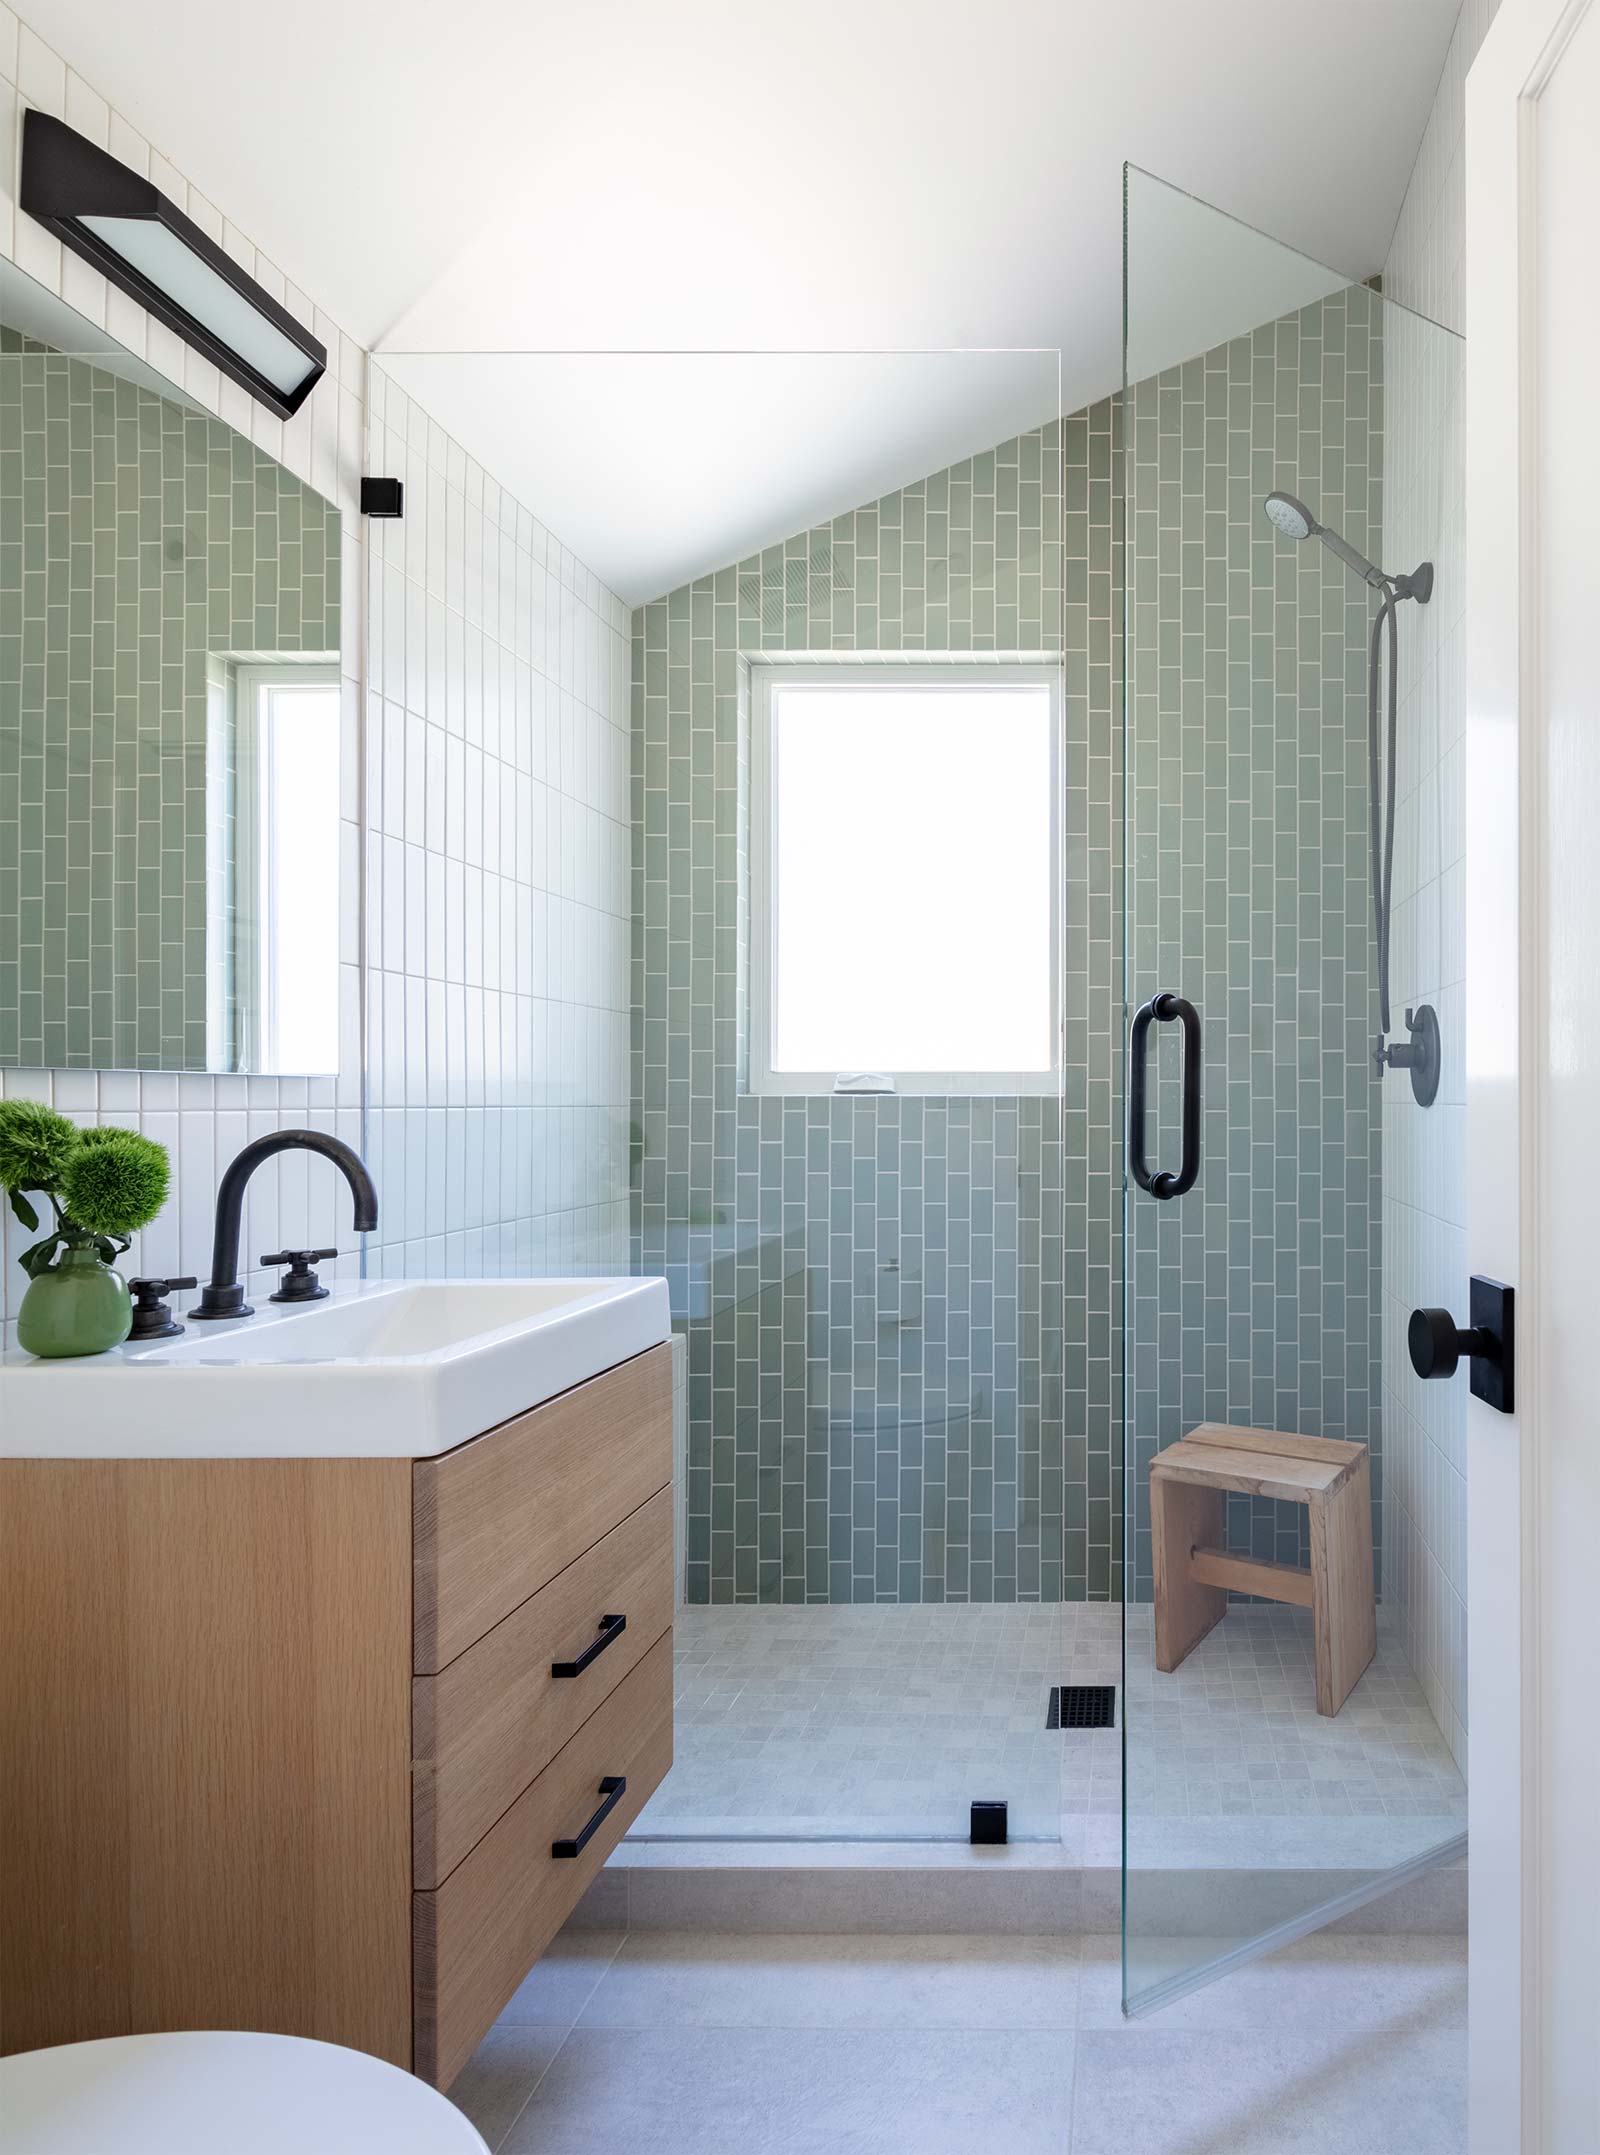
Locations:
(223, 1296)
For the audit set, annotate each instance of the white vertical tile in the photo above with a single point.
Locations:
(41, 74)
(1424, 1253)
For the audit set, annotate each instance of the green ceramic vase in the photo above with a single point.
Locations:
(80, 1305)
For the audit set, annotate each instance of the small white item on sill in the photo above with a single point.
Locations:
(863, 1081)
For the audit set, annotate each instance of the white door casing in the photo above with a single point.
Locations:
(1533, 1070)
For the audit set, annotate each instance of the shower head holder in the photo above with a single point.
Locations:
(1418, 585)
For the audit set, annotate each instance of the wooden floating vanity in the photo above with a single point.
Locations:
(285, 1742)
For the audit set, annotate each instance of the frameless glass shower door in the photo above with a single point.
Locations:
(1290, 1741)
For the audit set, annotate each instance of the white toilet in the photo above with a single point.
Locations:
(196, 2094)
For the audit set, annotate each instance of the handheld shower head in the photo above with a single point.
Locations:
(1288, 514)
(1291, 517)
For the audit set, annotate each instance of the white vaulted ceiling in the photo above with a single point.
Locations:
(456, 178)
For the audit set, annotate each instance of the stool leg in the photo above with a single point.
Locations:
(1182, 1517)
(1343, 1613)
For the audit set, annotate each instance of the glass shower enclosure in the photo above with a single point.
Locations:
(940, 1342)
(1292, 1720)
(885, 1507)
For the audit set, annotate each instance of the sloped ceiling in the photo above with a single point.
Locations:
(674, 176)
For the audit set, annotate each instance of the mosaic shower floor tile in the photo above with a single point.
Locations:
(888, 1721)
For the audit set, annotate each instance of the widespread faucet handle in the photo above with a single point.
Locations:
(301, 1283)
(152, 1318)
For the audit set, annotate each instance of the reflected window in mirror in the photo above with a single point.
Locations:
(281, 850)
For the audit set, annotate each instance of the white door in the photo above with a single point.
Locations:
(1533, 1069)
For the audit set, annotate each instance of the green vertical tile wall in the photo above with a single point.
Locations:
(1091, 1105)
(137, 537)
(1256, 1299)
(876, 1292)
(904, 1316)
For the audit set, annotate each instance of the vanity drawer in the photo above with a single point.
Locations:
(475, 1937)
(486, 1725)
(496, 1519)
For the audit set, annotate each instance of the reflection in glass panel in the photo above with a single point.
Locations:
(881, 1422)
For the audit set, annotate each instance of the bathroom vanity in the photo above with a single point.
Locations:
(330, 1678)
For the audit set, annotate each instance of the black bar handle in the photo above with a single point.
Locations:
(611, 1629)
(613, 1788)
(1162, 1009)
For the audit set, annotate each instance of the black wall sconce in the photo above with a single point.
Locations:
(147, 247)
(382, 497)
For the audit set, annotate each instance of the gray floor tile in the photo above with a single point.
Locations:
(558, 1988)
(695, 1980)
(807, 2092)
(494, 2085)
(1396, 1986)
(1338, 2092)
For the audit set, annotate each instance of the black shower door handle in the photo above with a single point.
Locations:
(1163, 1009)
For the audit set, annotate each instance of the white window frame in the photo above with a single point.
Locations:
(766, 675)
(255, 896)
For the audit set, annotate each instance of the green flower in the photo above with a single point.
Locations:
(100, 1132)
(35, 1145)
(115, 1182)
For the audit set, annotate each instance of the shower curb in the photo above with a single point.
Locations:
(1024, 1890)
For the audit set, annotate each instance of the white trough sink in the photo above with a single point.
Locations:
(382, 1368)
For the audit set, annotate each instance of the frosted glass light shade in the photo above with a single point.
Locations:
(161, 256)
(144, 244)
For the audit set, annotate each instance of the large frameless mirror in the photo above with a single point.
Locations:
(169, 722)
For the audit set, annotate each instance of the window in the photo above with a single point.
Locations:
(287, 869)
(904, 878)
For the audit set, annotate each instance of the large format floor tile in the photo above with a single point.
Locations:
(502, 2073)
(770, 2091)
(748, 2044)
(1328, 2091)
(694, 1980)
(557, 1988)
(1393, 1986)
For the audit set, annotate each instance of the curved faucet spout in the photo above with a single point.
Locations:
(223, 1296)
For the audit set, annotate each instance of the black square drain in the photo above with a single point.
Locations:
(1082, 1706)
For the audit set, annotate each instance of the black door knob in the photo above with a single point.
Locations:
(1438, 1345)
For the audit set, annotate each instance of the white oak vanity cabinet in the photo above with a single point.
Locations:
(327, 1746)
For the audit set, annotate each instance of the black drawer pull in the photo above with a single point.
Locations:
(613, 1788)
(611, 1628)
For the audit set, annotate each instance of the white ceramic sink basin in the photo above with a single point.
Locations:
(381, 1368)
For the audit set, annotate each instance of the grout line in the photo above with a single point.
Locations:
(539, 2081)
(594, 1988)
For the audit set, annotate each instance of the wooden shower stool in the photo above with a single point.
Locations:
(1189, 1482)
